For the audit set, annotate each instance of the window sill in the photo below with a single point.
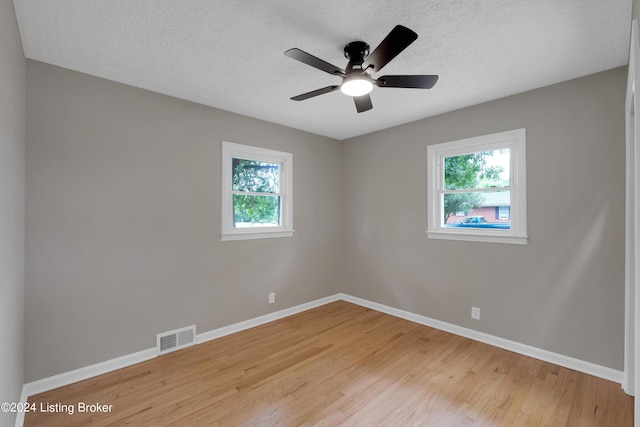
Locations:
(477, 237)
(250, 235)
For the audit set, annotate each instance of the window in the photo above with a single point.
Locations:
(503, 212)
(256, 192)
(484, 178)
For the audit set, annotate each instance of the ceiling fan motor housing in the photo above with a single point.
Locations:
(356, 52)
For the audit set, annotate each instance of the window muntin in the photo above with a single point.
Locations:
(256, 192)
(483, 178)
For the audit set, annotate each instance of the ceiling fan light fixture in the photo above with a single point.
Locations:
(356, 86)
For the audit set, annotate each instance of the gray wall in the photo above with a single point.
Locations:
(564, 291)
(123, 221)
(12, 159)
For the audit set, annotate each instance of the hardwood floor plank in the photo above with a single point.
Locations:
(342, 364)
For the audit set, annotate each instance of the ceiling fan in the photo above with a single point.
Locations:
(356, 78)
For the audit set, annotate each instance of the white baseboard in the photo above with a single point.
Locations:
(90, 371)
(86, 372)
(257, 321)
(524, 349)
(66, 378)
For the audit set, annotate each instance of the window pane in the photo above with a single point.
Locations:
(477, 170)
(256, 211)
(481, 209)
(257, 177)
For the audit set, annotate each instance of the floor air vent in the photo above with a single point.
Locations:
(175, 340)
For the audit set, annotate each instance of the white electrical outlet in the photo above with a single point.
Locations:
(272, 297)
(475, 313)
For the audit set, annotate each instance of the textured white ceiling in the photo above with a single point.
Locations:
(229, 54)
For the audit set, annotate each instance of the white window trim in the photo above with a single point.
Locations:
(515, 141)
(232, 150)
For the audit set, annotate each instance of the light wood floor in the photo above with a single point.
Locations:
(342, 364)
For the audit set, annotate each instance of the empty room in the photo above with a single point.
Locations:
(319, 213)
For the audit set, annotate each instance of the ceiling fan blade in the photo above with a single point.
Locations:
(315, 93)
(363, 103)
(307, 58)
(413, 82)
(395, 42)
